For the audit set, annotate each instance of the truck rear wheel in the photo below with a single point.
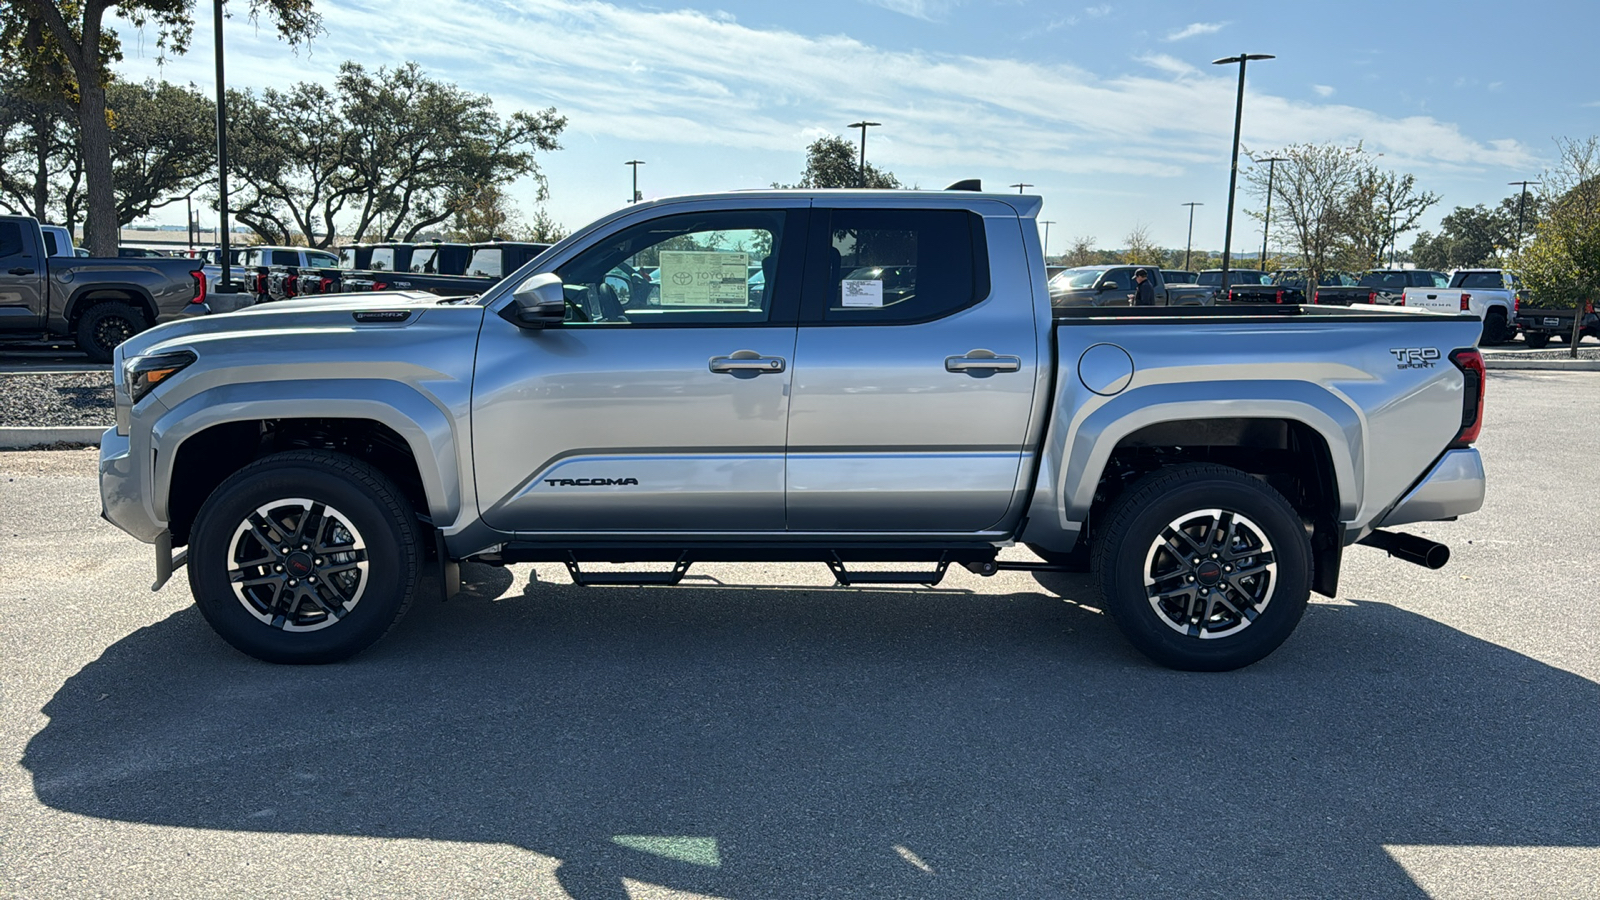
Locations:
(1203, 568)
(304, 557)
(1536, 340)
(105, 325)
(1497, 329)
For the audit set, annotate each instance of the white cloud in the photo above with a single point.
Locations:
(1322, 90)
(685, 83)
(1195, 29)
(1097, 12)
(927, 10)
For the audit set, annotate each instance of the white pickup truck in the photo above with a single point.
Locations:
(1490, 294)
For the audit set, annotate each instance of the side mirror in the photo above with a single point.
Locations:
(539, 302)
(1104, 286)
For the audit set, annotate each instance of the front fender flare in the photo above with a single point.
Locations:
(426, 428)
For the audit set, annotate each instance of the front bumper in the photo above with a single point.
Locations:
(122, 498)
(1454, 487)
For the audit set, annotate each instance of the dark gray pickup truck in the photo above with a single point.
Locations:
(98, 302)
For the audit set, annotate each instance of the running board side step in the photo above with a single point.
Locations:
(847, 578)
(669, 578)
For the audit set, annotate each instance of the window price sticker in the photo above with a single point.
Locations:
(861, 292)
(704, 278)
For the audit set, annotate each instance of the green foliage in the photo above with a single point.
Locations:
(1472, 236)
(163, 144)
(385, 154)
(833, 162)
(1562, 264)
(1379, 207)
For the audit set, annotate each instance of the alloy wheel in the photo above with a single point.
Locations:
(297, 564)
(1210, 573)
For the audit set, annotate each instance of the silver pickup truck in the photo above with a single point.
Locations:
(1209, 465)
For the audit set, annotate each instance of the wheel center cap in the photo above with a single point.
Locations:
(1208, 573)
(299, 565)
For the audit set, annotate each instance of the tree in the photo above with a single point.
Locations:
(163, 144)
(486, 216)
(544, 229)
(73, 31)
(38, 146)
(385, 155)
(832, 162)
(1081, 251)
(1310, 195)
(1562, 264)
(1380, 206)
(1470, 236)
(1141, 249)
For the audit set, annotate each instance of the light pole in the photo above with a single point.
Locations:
(1266, 224)
(1020, 185)
(1047, 223)
(224, 285)
(1233, 172)
(1190, 242)
(1522, 202)
(635, 163)
(862, 170)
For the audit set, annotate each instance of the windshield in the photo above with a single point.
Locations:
(1078, 279)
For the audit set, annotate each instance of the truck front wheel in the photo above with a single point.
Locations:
(1203, 567)
(304, 557)
(105, 325)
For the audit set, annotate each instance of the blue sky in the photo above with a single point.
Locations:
(1111, 110)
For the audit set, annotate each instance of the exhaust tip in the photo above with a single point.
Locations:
(1417, 550)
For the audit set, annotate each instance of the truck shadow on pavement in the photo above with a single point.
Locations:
(817, 742)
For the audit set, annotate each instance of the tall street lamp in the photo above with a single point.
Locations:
(1020, 185)
(1522, 202)
(1047, 223)
(635, 163)
(1233, 173)
(1190, 242)
(1266, 224)
(862, 170)
(224, 285)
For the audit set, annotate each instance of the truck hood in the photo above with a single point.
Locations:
(329, 316)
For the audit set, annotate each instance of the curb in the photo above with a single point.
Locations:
(22, 438)
(1549, 365)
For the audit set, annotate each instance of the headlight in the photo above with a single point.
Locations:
(143, 373)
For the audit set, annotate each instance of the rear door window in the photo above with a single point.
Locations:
(285, 258)
(422, 260)
(874, 266)
(382, 259)
(486, 262)
(11, 240)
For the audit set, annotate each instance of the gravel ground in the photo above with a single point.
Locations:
(41, 401)
(1554, 352)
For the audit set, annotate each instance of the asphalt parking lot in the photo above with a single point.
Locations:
(1426, 734)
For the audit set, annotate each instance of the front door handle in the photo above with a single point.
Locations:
(746, 362)
(982, 362)
(20, 270)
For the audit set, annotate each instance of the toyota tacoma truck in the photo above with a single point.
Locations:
(97, 302)
(1489, 295)
(307, 459)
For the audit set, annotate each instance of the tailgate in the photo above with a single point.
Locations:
(1436, 299)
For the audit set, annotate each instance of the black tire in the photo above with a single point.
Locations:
(1074, 560)
(1251, 613)
(1535, 341)
(358, 515)
(1563, 337)
(1497, 329)
(105, 325)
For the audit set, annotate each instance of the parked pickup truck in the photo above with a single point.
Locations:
(1212, 464)
(1212, 278)
(97, 302)
(1286, 287)
(1540, 324)
(1113, 286)
(1384, 287)
(1488, 295)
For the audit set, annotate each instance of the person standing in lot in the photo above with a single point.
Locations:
(1144, 292)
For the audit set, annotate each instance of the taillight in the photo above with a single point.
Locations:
(380, 286)
(1316, 297)
(199, 286)
(1279, 298)
(1230, 296)
(1470, 362)
(1466, 302)
(1372, 296)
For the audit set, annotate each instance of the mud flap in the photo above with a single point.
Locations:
(449, 569)
(166, 561)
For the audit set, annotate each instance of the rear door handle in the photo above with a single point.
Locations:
(982, 362)
(746, 361)
(20, 270)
